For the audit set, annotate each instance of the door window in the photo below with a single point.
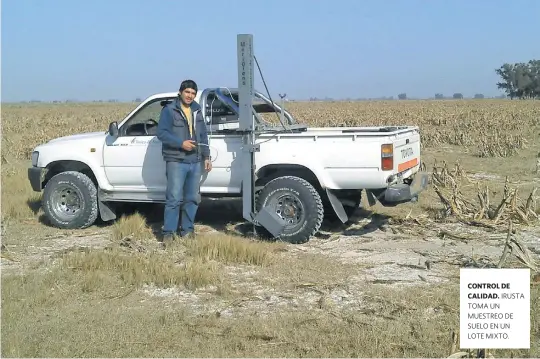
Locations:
(144, 122)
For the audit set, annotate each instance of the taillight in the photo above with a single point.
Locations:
(387, 157)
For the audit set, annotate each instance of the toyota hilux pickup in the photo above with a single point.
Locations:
(308, 173)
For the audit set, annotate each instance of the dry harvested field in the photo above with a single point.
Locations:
(384, 285)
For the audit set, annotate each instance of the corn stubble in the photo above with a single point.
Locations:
(447, 185)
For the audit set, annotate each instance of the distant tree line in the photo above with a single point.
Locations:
(458, 96)
(440, 96)
(520, 80)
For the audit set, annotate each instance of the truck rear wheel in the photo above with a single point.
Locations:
(70, 200)
(297, 202)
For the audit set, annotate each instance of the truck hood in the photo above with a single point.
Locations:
(88, 135)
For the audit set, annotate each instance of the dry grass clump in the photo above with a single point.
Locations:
(232, 249)
(132, 227)
(137, 269)
(135, 257)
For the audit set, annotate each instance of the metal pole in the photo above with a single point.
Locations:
(246, 121)
(282, 104)
(266, 217)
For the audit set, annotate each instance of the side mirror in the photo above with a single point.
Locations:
(113, 129)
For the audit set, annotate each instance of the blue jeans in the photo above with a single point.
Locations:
(183, 180)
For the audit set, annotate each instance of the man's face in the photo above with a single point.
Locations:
(188, 95)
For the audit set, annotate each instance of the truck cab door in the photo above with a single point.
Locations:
(225, 144)
(133, 159)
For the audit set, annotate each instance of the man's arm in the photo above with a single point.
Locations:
(164, 131)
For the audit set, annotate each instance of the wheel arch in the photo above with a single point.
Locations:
(56, 167)
(268, 172)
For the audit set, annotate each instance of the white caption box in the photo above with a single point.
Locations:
(495, 308)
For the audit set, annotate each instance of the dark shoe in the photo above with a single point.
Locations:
(167, 240)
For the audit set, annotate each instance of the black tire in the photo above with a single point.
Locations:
(70, 200)
(300, 194)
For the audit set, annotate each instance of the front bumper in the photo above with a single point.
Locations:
(400, 193)
(35, 176)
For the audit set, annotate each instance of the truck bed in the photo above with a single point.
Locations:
(345, 157)
(361, 131)
(371, 130)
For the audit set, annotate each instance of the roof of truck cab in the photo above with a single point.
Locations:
(171, 94)
(175, 93)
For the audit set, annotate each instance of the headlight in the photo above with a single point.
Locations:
(35, 157)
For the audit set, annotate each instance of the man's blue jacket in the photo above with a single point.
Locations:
(173, 130)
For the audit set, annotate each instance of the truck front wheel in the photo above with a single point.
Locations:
(70, 200)
(297, 202)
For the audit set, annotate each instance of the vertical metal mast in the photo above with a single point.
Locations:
(266, 217)
(247, 124)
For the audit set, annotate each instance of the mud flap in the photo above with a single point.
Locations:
(106, 210)
(337, 206)
(371, 198)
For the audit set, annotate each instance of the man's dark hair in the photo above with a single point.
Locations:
(188, 84)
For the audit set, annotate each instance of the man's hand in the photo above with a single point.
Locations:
(189, 145)
(208, 165)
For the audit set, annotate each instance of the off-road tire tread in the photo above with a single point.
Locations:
(302, 237)
(88, 186)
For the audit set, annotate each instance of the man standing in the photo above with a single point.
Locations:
(182, 131)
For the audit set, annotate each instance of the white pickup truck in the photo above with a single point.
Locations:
(305, 172)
